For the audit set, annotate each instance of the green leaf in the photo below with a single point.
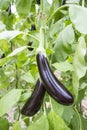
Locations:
(76, 123)
(9, 35)
(63, 66)
(58, 12)
(28, 77)
(4, 80)
(40, 124)
(4, 4)
(23, 7)
(56, 122)
(84, 123)
(9, 100)
(17, 50)
(56, 28)
(81, 93)
(17, 126)
(73, 1)
(58, 108)
(25, 96)
(79, 64)
(2, 26)
(63, 46)
(78, 16)
(4, 124)
(68, 114)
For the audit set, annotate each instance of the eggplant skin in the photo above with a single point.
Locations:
(33, 27)
(52, 85)
(38, 2)
(2, 56)
(63, 2)
(34, 103)
(30, 48)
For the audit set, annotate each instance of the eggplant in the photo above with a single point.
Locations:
(34, 103)
(63, 2)
(33, 27)
(9, 10)
(30, 48)
(52, 85)
(2, 56)
(38, 2)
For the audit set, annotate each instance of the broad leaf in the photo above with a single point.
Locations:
(16, 51)
(73, 1)
(58, 108)
(40, 124)
(25, 96)
(9, 35)
(4, 80)
(2, 26)
(9, 100)
(56, 122)
(84, 123)
(63, 46)
(78, 16)
(79, 64)
(63, 66)
(68, 114)
(4, 4)
(28, 77)
(4, 124)
(17, 126)
(56, 28)
(75, 122)
(23, 7)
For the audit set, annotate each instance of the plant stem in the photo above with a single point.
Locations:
(32, 36)
(83, 3)
(42, 30)
(57, 10)
(18, 113)
(42, 42)
(16, 75)
(80, 127)
(42, 37)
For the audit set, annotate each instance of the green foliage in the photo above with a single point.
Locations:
(9, 35)
(56, 122)
(9, 100)
(79, 64)
(40, 124)
(5, 122)
(17, 126)
(23, 7)
(63, 45)
(78, 17)
(4, 4)
(65, 42)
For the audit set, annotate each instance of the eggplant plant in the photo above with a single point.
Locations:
(43, 64)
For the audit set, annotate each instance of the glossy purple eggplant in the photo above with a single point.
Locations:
(34, 103)
(53, 86)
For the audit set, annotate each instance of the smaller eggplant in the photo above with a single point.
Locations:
(2, 56)
(30, 48)
(38, 2)
(63, 2)
(33, 27)
(34, 103)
